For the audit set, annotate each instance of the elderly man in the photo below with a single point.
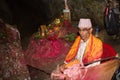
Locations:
(86, 48)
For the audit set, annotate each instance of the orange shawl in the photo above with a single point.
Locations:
(93, 51)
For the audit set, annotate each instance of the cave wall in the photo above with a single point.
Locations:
(28, 15)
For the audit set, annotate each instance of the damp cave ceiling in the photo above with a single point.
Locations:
(30, 13)
(14, 10)
(25, 14)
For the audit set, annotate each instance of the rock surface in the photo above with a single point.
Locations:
(12, 62)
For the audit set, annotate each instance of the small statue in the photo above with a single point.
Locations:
(66, 11)
(66, 6)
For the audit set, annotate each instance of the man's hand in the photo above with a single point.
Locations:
(62, 67)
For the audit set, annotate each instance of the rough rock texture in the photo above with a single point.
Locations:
(12, 62)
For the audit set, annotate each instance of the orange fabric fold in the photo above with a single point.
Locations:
(73, 51)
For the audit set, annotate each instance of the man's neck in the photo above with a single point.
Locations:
(85, 40)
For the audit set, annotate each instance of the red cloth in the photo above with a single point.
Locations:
(45, 54)
(108, 51)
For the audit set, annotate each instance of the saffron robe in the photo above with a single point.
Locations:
(94, 51)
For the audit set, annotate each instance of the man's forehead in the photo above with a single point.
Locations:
(84, 28)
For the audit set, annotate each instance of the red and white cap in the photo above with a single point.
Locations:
(85, 23)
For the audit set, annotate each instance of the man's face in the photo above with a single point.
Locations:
(85, 33)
